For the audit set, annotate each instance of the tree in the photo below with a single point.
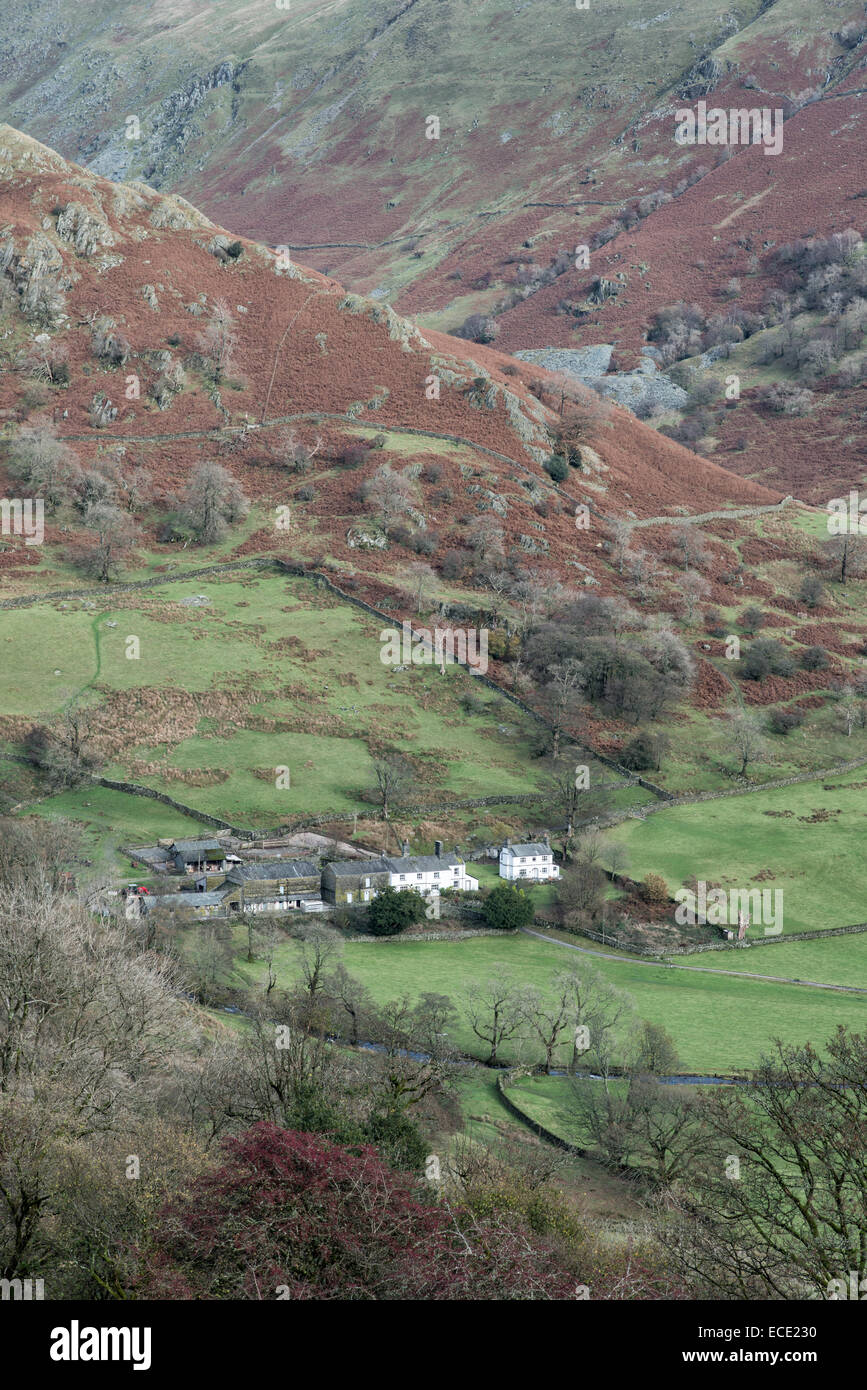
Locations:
(566, 796)
(689, 548)
(219, 341)
(744, 737)
(655, 1051)
(643, 571)
(561, 698)
(420, 579)
(581, 895)
(849, 552)
(87, 1023)
(752, 619)
(389, 494)
(351, 998)
(811, 592)
(44, 462)
(394, 779)
(394, 909)
(693, 589)
(507, 908)
(36, 851)
(792, 1223)
(114, 537)
(848, 708)
(581, 423)
(479, 328)
(494, 1013)
(767, 657)
(645, 751)
(318, 1221)
(64, 749)
(212, 501)
(320, 947)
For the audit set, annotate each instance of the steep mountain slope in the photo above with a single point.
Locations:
(82, 256)
(308, 125)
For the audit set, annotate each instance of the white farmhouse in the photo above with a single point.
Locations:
(534, 861)
(430, 872)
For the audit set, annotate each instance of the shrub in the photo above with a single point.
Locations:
(394, 909)
(289, 1210)
(643, 752)
(783, 721)
(812, 591)
(479, 328)
(507, 908)
(752, 619)
(815, 659)
(654, 889)
(767, 657)
(557, 468)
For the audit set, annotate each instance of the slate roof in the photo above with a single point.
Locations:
(194, 849)
(423, 863)
(358, 867)
(527, 849)
(272, 871)
(185, 900)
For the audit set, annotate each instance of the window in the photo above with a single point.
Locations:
(436, 875)
(419, 875)
(402, 877)
(349, 897)
(367, 883)
(366, 895)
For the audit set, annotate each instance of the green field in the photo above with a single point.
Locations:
(269, 673)
(773, 834)
(720, 1024)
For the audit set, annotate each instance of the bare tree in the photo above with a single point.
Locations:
(212, 501)
(561, 698)
(389, 494)
(494, 1012)
(744, 737)
(394, 777)
(44, 462)
(421, 579)
(114, 537)
(64, 749)
(218, 342)
(693, 588)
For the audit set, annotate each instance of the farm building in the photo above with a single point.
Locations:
(199, 856)
(534, 860)
(275, 886)
(189, 906)
(346, 882)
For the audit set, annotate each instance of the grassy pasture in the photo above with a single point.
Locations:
(720, 1024)
(268, 673)
(816, 862)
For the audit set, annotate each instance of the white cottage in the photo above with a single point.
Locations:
(532, 861)
(430, 872)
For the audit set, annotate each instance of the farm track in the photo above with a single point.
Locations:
(697, 969)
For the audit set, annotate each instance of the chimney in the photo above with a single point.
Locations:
(404, 849)
(438, 848)
(508, 844)
(547, 840)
